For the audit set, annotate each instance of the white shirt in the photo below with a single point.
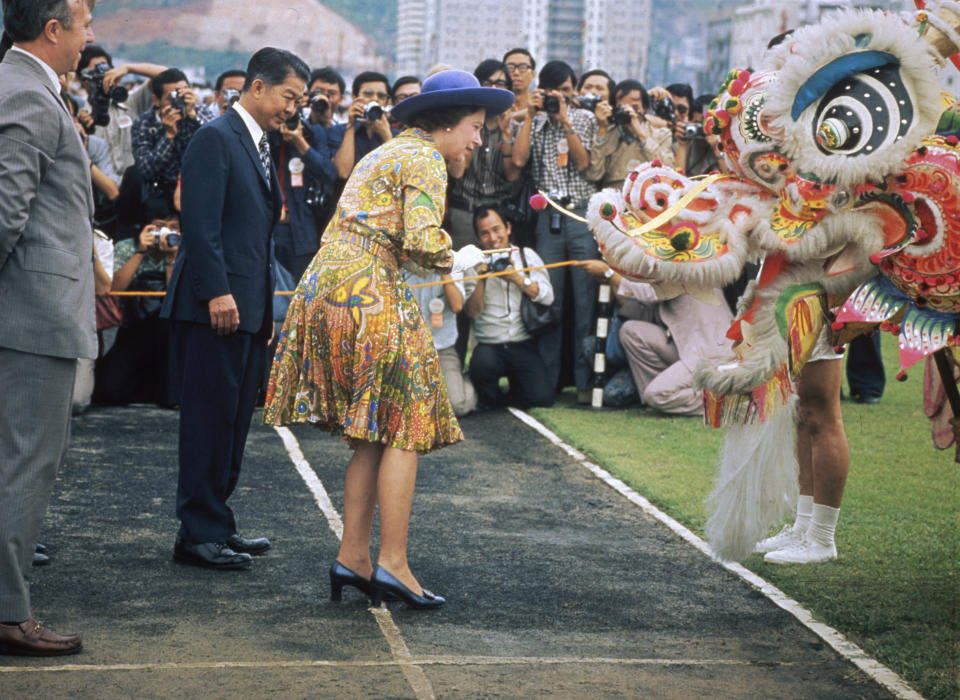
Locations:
(51, 73)
(255, 131)
(444, 335)
(499, 321)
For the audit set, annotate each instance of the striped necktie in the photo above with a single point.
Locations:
(265, 157)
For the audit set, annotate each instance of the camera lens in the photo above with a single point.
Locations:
(173, 239)
(372, 112)
(551, 104)
(499, 264)
(292, 122)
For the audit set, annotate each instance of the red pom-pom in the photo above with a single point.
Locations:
(723, 117)
(736, 88)
(953, 140)
(901, 376)
(656, 163)
(607, 211)
(908, 198)
(538, 202)
(895, 329)
(634, 175)
(838, 349)
(837, 325)
(885, 326)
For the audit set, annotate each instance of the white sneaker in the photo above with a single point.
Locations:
(785, 538)
(806, 552)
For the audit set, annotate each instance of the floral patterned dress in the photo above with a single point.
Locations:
(354, 356)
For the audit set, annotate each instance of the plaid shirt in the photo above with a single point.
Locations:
(485, 180)
(158, 158)
(547, 175)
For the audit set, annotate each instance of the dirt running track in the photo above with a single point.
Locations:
(557, 586)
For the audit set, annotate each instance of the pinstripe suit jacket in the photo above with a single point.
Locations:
(46, 242)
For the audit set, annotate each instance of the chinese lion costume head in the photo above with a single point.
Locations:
(844, 174)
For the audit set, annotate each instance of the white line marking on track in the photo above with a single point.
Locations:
(312, 480)
(847, 649)
(398, 648)
(442, 660)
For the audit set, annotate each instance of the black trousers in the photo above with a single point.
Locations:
(135, 370)
(219, 380)
(523, 366)
(865, 373)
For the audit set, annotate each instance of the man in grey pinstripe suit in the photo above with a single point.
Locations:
(46, 290)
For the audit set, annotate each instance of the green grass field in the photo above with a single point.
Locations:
(894, 589)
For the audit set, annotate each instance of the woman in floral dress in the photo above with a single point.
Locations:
(354, 356)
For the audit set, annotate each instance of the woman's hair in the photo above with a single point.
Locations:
(441, 118)
(488, 67)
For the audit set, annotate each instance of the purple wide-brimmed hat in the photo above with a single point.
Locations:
(453, 88)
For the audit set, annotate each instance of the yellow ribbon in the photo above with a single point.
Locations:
(665, 216)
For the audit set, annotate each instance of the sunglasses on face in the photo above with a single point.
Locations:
(518, 67)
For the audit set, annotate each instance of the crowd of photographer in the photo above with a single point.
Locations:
(567, 136)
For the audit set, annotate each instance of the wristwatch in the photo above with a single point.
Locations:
(527, 281)
(608, 274)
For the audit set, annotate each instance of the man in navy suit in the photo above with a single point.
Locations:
(220, 302)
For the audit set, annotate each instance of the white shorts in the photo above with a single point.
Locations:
(823, 350)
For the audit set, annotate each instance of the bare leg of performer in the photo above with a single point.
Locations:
(824, 460)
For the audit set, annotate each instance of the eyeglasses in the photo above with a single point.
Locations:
(518, 67)
(494, 83)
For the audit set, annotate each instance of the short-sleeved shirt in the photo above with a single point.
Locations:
(362, 144)
(547, 174)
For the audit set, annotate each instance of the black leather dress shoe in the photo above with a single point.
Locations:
(250, 545)
(383, 582)
(211, 555)
(40, 559)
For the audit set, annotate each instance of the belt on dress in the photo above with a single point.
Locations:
(371, 246)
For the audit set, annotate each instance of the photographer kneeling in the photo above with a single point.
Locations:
(624, 137)
(504, 347)
(136, 368)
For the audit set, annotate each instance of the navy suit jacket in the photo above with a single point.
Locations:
(227, 218)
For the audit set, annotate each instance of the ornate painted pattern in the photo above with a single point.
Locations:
(354, 356)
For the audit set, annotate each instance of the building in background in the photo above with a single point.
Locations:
(584, 33)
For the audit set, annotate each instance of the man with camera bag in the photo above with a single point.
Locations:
(504, 346)
(625, 138)
(161, 134)
(556, 138)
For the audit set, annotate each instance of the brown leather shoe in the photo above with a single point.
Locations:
(30, 638)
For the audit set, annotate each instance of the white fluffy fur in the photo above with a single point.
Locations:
(812, 47)
(756, 485)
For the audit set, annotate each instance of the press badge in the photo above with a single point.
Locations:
(436, 312)
(296, 172)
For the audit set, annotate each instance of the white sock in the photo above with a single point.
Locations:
(823, 524)
(804, 511)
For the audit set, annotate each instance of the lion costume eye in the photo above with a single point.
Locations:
(863, 112)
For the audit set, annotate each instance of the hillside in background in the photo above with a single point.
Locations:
(221, 34)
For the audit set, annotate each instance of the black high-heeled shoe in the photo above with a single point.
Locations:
(341, 576)
(383, 584)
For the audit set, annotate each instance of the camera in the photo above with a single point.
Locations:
(556, 217)
(693, 131)
(318, 102)
(229, 97)
(620, 116)
(551, 104)
(665, 109)
(372, 111)
(589, 101)
(178, 102)
(169, 235)
(499, 264)
(100, 101)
